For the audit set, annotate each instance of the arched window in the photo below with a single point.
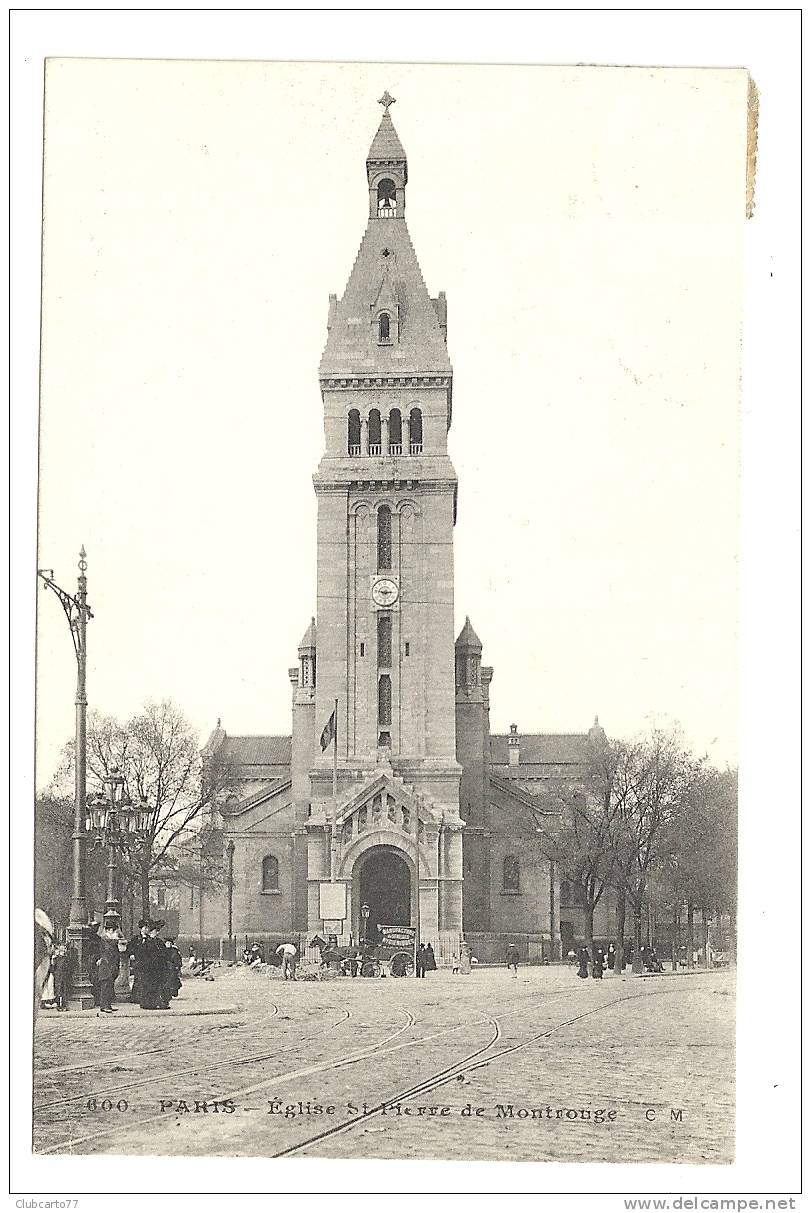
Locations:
(384, 538)
(353, 432)
(384, 328)
(415, 431)
(386, 199)
(384, 641)
(270, 874)
(384, 701)
(374, 432)
(395, 432)
(511, 880)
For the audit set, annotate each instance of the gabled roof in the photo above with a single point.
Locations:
(257, 751)
(386, 144)
(516, 792)
(539, 749)
(234, 807)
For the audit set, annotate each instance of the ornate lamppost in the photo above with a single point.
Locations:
(364, 913)
(114, 822)
(77, 613)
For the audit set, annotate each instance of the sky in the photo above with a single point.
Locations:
(587, 227)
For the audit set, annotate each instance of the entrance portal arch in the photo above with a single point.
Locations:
(382, 880)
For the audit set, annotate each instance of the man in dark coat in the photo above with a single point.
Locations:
(107, 966)
(135, 947)
(598, 963)
(152, 967)
(512, 958)
(421, 960)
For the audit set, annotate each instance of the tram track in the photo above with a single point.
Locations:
(182, 1073)
(471, 1063)
(118, 1131)
(47, 1071)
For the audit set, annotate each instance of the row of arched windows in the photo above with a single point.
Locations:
(379, 435)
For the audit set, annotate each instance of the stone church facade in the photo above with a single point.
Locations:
(414, 810)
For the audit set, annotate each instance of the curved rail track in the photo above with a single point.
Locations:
(240, 1060)
(474, 1061)
(478, 1058)
(47, 1071)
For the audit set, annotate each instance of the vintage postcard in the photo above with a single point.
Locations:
(387, 668)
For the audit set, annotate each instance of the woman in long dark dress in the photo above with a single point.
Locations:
(153, 963)
(583, 959)
(597, 964)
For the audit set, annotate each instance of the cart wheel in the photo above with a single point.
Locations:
(367, 969)
(401, 964)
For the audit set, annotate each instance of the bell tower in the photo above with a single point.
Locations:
(386, 492)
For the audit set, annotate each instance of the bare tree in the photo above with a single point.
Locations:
(653, 782)
(158, 753)
(699, 868)
(580, 840)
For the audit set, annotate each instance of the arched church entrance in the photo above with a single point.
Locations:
(385, 887)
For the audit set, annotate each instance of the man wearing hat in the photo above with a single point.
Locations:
(111, 943)
(135, 948)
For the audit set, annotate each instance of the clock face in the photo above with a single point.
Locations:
(385, 592)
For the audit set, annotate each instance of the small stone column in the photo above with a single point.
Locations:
(364, 436)
(384, 435)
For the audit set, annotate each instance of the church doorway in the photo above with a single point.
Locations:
(385, 887)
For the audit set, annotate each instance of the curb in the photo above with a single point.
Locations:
(126, 1011)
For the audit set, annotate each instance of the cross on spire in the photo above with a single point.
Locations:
(386, 100)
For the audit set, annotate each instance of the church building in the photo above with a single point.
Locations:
(390, 799)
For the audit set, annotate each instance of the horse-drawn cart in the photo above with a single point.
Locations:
(390, 955)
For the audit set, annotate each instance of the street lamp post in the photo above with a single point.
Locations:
(114, 822)
(364, 913)
(230, 852)
(79, 931)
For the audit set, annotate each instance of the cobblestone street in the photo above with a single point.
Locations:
(545, 1067)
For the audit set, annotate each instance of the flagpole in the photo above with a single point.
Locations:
(334, 798)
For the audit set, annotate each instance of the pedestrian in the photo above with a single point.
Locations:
(42, 956)
(430, 959)
(289, 955)
(583, 960)
(455, 963)
(111, 943)
(611, 957)
(159, 965)
(420, 960)
(597, 964)
(174, 965)
(59, 968)
(47, 996)
(512, 958)
(153, 965)
(135, 948)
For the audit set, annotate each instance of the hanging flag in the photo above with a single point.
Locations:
(329, 732)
